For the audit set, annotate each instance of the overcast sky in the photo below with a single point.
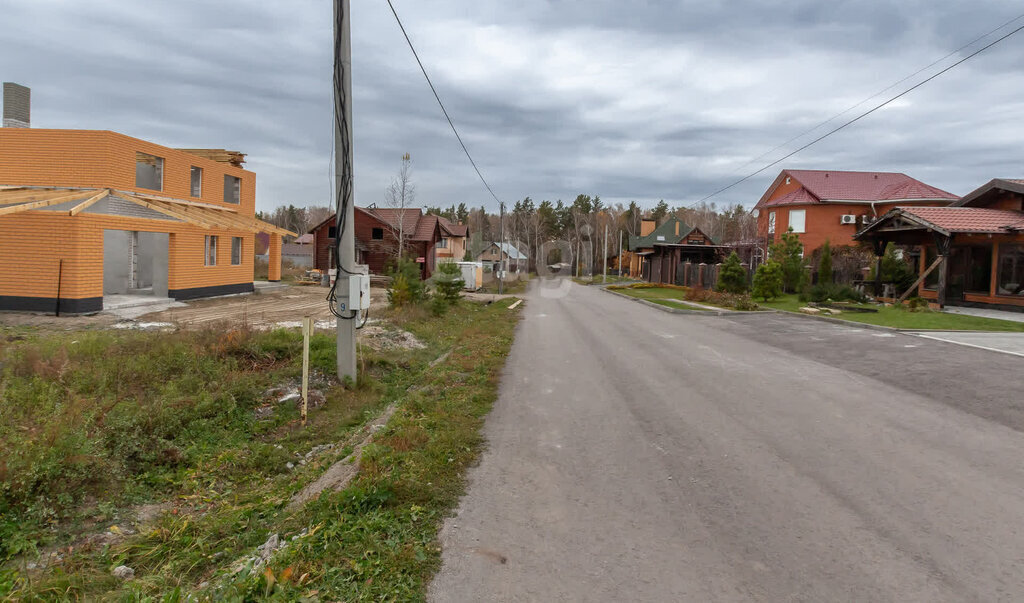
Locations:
(624, 99)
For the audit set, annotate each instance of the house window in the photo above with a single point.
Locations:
(211, 250)
(797, 220)
(378, 234)
(232, 190)
(197, 181)
(332, 232)
(695, 242)
(931, 281)
(771, 222)
(442, 244)
(236, 251)
(1011, 270)
(149, 171)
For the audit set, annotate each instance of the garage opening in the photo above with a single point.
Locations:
(134, 268)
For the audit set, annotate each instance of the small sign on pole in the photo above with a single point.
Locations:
(307, 330)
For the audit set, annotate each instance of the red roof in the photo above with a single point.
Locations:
(425, 229)
(824, 185)
(407, 218)
(798, 197)
(455, 230)
(968, 219)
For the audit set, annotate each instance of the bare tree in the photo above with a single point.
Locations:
(400, 194)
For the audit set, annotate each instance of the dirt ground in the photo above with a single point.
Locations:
(282, 308)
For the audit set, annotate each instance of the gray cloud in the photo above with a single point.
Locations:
(628, 100)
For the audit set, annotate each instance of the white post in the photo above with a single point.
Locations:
(604, 264)
(620, 254)
(307, 330)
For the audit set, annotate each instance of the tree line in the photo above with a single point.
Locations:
(588, 222)
(296, 219)
(582, 223)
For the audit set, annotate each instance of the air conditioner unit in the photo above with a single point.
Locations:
(848, 219)
(867, 219)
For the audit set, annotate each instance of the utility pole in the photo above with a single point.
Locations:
(344, 183)
(501, 246)
(604, 261)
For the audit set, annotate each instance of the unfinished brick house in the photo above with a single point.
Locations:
(86, 215)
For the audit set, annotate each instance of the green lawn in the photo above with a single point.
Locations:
(904, 319)
(599, 280)
(660, 296)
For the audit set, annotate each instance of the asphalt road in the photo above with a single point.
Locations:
(636, 455)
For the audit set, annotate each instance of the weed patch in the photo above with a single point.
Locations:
(96, 423)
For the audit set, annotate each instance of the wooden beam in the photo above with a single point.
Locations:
(267, 227)
(89, 202)
(4, 211)
(900, 228)
(943, 280)
(8, 198)
(178, 201)
(222, 221)
(918, 282)
(167, 212)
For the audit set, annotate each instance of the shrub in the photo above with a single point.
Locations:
(825, 265)
(917, 304)
(732, 278)
(439, 305)
(768, 281)
(448, 282)
(406, 286)
(895, 270)
(825, 292)
(745, 303)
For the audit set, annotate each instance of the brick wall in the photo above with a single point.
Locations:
(33, 243)
(103, 159)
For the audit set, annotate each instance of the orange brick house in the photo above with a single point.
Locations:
(825, 205)
(89, 214)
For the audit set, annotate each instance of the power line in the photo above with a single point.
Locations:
(436, 96)
(859, 117)
(880, 92)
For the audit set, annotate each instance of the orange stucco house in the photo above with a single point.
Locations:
(825, 205)
(86, 214)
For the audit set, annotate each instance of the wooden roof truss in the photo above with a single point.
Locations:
(16, 199)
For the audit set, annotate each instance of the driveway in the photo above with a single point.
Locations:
(1008, 343)
(644, 456)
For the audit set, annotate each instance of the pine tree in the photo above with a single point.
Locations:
(825, 265)
(732, 278)
(660, 212)
(789, 253)
(768, 281)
